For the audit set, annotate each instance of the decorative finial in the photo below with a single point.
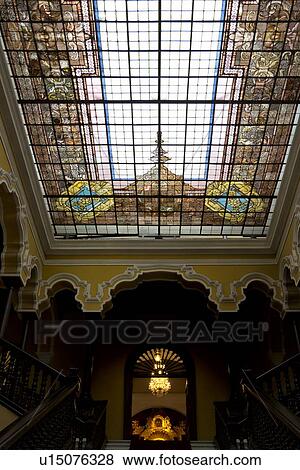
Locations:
(159, 154)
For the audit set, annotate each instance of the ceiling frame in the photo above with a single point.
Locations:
(18, 151)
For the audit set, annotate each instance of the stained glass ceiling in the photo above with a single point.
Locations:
(156, 118)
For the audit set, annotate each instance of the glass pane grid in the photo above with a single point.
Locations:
(157, 119)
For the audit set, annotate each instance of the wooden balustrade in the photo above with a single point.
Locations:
(24, 380)
(273, 411)
(273, 407)
(231, 432)
(271, 425)
(283, 383)
(48, 426)
(51, 415)
(90, 425)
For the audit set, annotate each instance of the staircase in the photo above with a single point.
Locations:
(274, 407)
(267, 415)
(43, 407)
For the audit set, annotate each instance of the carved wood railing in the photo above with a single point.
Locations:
(24, 380)
(48, 426)
(90, 425)
(231, 432)
(283, 383)
(52, 417)
(268, 414)
(273, 407)
(271, 425)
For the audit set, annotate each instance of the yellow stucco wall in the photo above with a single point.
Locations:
(6, 417)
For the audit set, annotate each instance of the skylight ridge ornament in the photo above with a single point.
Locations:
(159, 155)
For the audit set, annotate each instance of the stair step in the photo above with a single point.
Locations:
(124, 445)
(203, 445)
(117, 445)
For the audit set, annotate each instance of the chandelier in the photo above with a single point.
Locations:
(159, 384)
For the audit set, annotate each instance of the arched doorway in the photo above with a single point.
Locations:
(160, 378)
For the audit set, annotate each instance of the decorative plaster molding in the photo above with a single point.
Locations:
(15, 258)
(292, 261)
(192, 261)
(237, 288)
(27, 299)
(132, 273)
(48, 288)
(216, 293)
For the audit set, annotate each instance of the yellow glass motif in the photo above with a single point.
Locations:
(233, 200)
(84, 206)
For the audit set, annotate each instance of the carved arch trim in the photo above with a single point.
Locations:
(292, 261)
(272, 288)
(134, 275)
(48, 288)
(15, 258)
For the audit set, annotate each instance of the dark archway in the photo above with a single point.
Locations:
(154, 298)
(187, 371)
(163, 299)
(61, 353)
(171, 289)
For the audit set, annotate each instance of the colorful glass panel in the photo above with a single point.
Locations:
(157, 118)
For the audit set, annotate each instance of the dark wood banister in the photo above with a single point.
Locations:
(31, 357)
(81, 420)
(280, 366)
(277, 410)
(18, 428)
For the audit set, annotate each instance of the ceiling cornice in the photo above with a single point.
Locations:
(18, 151)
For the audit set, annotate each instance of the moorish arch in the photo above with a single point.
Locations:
(57, 283)
(218, 297)
(179, 365)
(15, 259)
(97, 298)
(135, 278)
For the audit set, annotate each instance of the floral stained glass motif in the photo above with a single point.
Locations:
(157, 118)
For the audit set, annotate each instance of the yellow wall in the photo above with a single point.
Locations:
(108, 384)
(211, 385)
(6, 417)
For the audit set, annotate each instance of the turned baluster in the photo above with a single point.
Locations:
(12, 373)
(44, 384)
(296, 377)
(26, 370)
(17, 379)
(268, 386)
(288, 386)
(280, 394)
(35, 398)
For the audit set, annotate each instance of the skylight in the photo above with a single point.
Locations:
(157, 118)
